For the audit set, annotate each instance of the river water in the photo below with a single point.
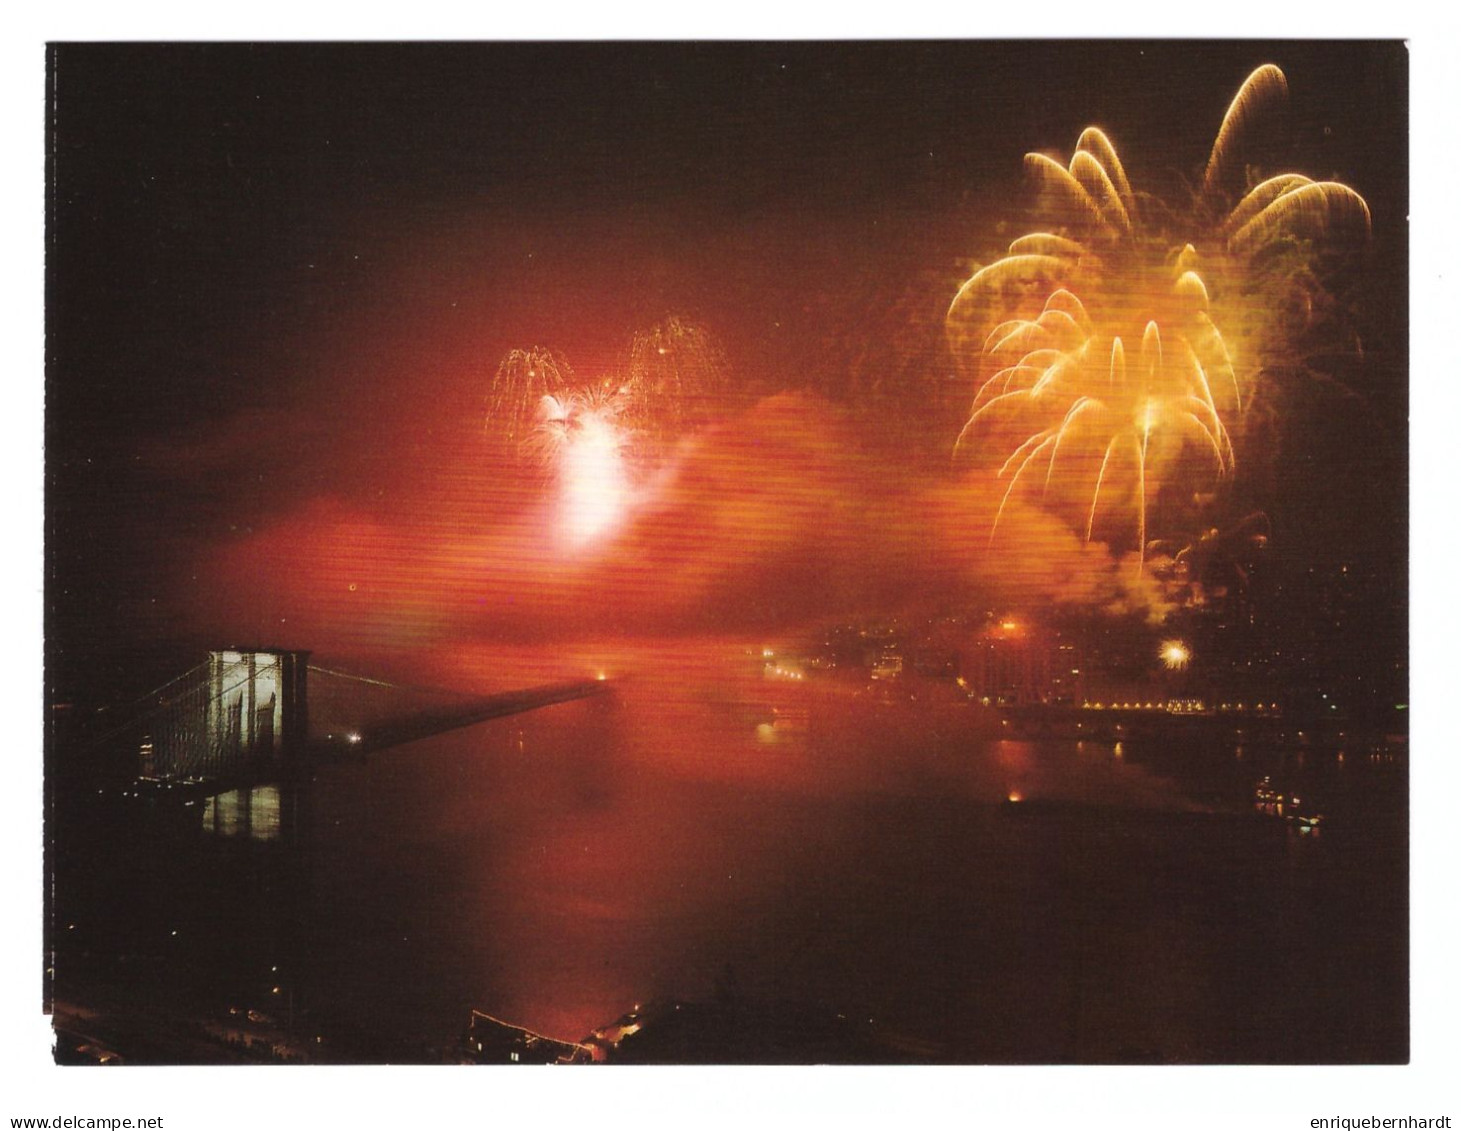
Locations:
(890, 858)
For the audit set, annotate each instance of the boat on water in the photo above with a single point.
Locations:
(1273, 799)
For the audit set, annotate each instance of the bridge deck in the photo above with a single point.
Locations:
(439, 720)
(244, 771)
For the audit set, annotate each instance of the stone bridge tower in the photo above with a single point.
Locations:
(256, 707)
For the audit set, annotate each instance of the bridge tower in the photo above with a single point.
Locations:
(256, 706)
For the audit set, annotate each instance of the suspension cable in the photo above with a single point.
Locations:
(386, 683)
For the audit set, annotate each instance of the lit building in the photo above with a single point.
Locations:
(1013, 663)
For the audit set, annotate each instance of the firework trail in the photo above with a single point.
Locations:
(523, 379)
(1113, 351)
(677, 382)
(1194, 554)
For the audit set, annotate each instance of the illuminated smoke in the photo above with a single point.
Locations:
(1114, 352)
(1216, 557)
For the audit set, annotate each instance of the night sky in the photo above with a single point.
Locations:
(280, 279)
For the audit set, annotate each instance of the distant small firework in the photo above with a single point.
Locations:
(1102, 372)
(1175, 654)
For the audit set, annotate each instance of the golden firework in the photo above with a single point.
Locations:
(1113, 351)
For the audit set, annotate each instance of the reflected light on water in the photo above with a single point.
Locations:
(252, 813)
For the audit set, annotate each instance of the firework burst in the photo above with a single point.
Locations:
(524, 377)
(1175, 654)
(597, 442)
(1114, 351)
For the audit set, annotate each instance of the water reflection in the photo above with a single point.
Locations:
(985, 898)
(252, 813)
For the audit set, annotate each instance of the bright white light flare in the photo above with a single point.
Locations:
(580, 438)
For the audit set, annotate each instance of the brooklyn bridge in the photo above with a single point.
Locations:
(247, 717)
